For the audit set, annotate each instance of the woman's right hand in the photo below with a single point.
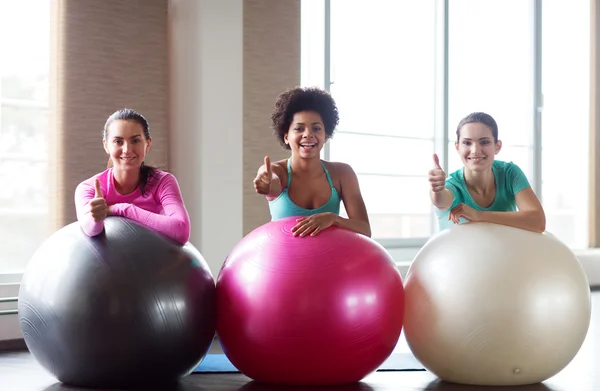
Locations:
(262, 182)
(437, 176)
(98, 207)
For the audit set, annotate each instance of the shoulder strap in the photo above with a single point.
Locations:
(327, 174)
(289, 172)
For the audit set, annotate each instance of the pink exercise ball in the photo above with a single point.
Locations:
(322, 310)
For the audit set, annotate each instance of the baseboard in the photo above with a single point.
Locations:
(9, 345)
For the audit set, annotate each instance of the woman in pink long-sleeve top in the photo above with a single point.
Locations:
(129, 188)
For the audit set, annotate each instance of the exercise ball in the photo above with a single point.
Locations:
(124, 308)
(492, 305)
(322, 310)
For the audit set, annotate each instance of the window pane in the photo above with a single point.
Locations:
(25, 48)
(23, 133)
(491, 65)
(565, 123)
(22, 232)
(24, 70)
(397, 206)
(521, 156)
(28, 190)
(24, 204)
(383, 83)
(382, 155)
(382, 66)
(312, 43)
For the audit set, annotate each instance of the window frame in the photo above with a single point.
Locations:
(441, 94)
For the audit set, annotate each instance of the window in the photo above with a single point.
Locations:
(404, 73)
(493, 71)
(24, 95)
(372, 82)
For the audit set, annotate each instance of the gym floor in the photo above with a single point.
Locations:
(20, 372)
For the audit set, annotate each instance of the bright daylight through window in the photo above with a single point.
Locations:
(24, 113)
(389, 80)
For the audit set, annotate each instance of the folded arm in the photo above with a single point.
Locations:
(530, 215)
(358, 218)
(174, 223)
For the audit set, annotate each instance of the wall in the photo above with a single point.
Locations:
(229, 60)
(108, 54)
(271, 66)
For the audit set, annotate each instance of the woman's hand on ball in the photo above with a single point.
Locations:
(465, 212)
(313, 224)
(98, 207)
(437, 176)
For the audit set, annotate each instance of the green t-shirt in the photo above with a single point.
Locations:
(510, 180)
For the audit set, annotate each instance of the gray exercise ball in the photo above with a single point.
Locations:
(125, 308)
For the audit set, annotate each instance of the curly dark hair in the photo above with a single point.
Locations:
(299, 99)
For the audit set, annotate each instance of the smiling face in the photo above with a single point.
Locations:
(306, 135)
(476, 146)
(126, 144)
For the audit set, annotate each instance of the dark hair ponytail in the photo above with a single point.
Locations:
(147, 173)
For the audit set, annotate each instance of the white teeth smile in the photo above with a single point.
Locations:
(308, 145)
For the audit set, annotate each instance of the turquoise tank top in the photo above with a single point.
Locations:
(282, 206)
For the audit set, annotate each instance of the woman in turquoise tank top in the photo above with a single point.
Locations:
(484, 189)
(304, 185)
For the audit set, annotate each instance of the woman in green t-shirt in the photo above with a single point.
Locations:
(484, 189)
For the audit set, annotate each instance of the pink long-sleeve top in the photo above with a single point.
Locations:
(161, 209)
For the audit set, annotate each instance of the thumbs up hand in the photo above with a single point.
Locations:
(437, 176)
(262, 182)
(98, 207)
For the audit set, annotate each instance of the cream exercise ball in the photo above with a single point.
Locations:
(492, 305)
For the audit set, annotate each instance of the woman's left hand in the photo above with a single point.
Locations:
(464, 211)
(113, 210)
(313, 224)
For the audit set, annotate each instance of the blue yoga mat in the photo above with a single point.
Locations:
(219, 363)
